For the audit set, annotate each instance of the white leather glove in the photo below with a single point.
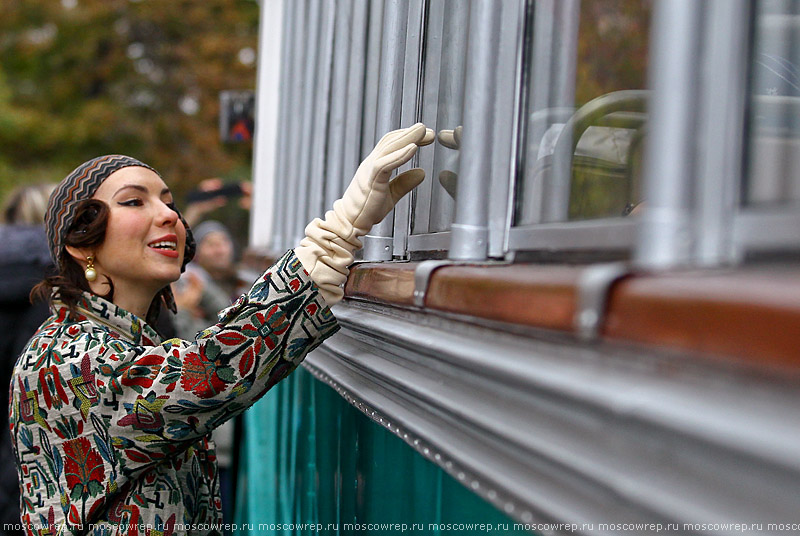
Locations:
(327, 250)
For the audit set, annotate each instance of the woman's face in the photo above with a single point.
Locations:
(215, 252)
(144, 244)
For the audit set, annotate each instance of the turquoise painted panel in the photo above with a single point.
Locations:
(311, 464)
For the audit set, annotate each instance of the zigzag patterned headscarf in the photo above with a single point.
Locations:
(81, 185)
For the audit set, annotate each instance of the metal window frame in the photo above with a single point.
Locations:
(305, 25)
(763, 229)
(613, 234)
(320, 116)
(378, 242)
(334, 155)
(309, 21)
(493, 57)
(428, 106)
(665, 237)
(770, 230)
(551, 75)
(508, 101)
(371, 78)
(447, 106)
(722, 130)
(377, 67)
(553, 65)
(280, 186)
(356, 91)
(694, 148)
(470, 228)
(409, 114)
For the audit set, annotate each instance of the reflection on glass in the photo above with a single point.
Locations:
(584, 125)
(774, 163)
(442, 97)
(448, 179)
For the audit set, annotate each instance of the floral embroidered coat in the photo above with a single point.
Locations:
(111, 425)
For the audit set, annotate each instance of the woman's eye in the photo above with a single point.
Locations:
(131, 203)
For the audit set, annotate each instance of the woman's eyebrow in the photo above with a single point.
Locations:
(134, 186)
(139, 187)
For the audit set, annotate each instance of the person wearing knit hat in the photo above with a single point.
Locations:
(215, 255)
(111, 424)
(211, 283)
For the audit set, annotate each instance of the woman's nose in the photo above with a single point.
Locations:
(167, 215)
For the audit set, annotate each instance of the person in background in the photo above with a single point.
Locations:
(209, 283)
(212, 194)
(24, 261)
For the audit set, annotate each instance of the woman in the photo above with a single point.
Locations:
(110, 424)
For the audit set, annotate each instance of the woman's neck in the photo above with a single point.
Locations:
(135, 300)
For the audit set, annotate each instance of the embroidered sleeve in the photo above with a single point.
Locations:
(153, 399)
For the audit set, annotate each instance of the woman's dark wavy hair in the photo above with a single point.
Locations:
(88, 230)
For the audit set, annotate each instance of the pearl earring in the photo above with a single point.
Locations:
(90, 273)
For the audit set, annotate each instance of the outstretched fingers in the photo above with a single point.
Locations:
(416, 134)
(393, 160)
(430, 135)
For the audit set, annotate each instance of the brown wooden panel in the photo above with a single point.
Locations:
(750, 315)
(541, 296)
(384, 282)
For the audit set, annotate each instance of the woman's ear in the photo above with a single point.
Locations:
(79, 254)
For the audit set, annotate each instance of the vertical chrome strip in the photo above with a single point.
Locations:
(665, 233)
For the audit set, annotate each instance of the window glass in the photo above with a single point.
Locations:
(442, 98)
(587, 68)
(774, 163)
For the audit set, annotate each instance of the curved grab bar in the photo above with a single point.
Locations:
(558, 190)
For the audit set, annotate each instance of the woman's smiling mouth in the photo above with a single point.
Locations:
(166, 245)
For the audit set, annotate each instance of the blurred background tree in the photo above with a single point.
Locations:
(612, 47)
(81, 78)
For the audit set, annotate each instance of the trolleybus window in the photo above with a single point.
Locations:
(445, 44)
(584, 122)
(774, 176)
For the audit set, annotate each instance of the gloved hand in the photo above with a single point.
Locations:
(327, 250)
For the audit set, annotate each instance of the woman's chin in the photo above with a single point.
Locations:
(166, 278)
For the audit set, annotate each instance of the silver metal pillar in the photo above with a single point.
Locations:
(294, 127)
(261, 156)
(722, 116)
(315, 198)
(355, 92)
(555, 59)
(470, 230)
(378, 243)
(665, 237)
